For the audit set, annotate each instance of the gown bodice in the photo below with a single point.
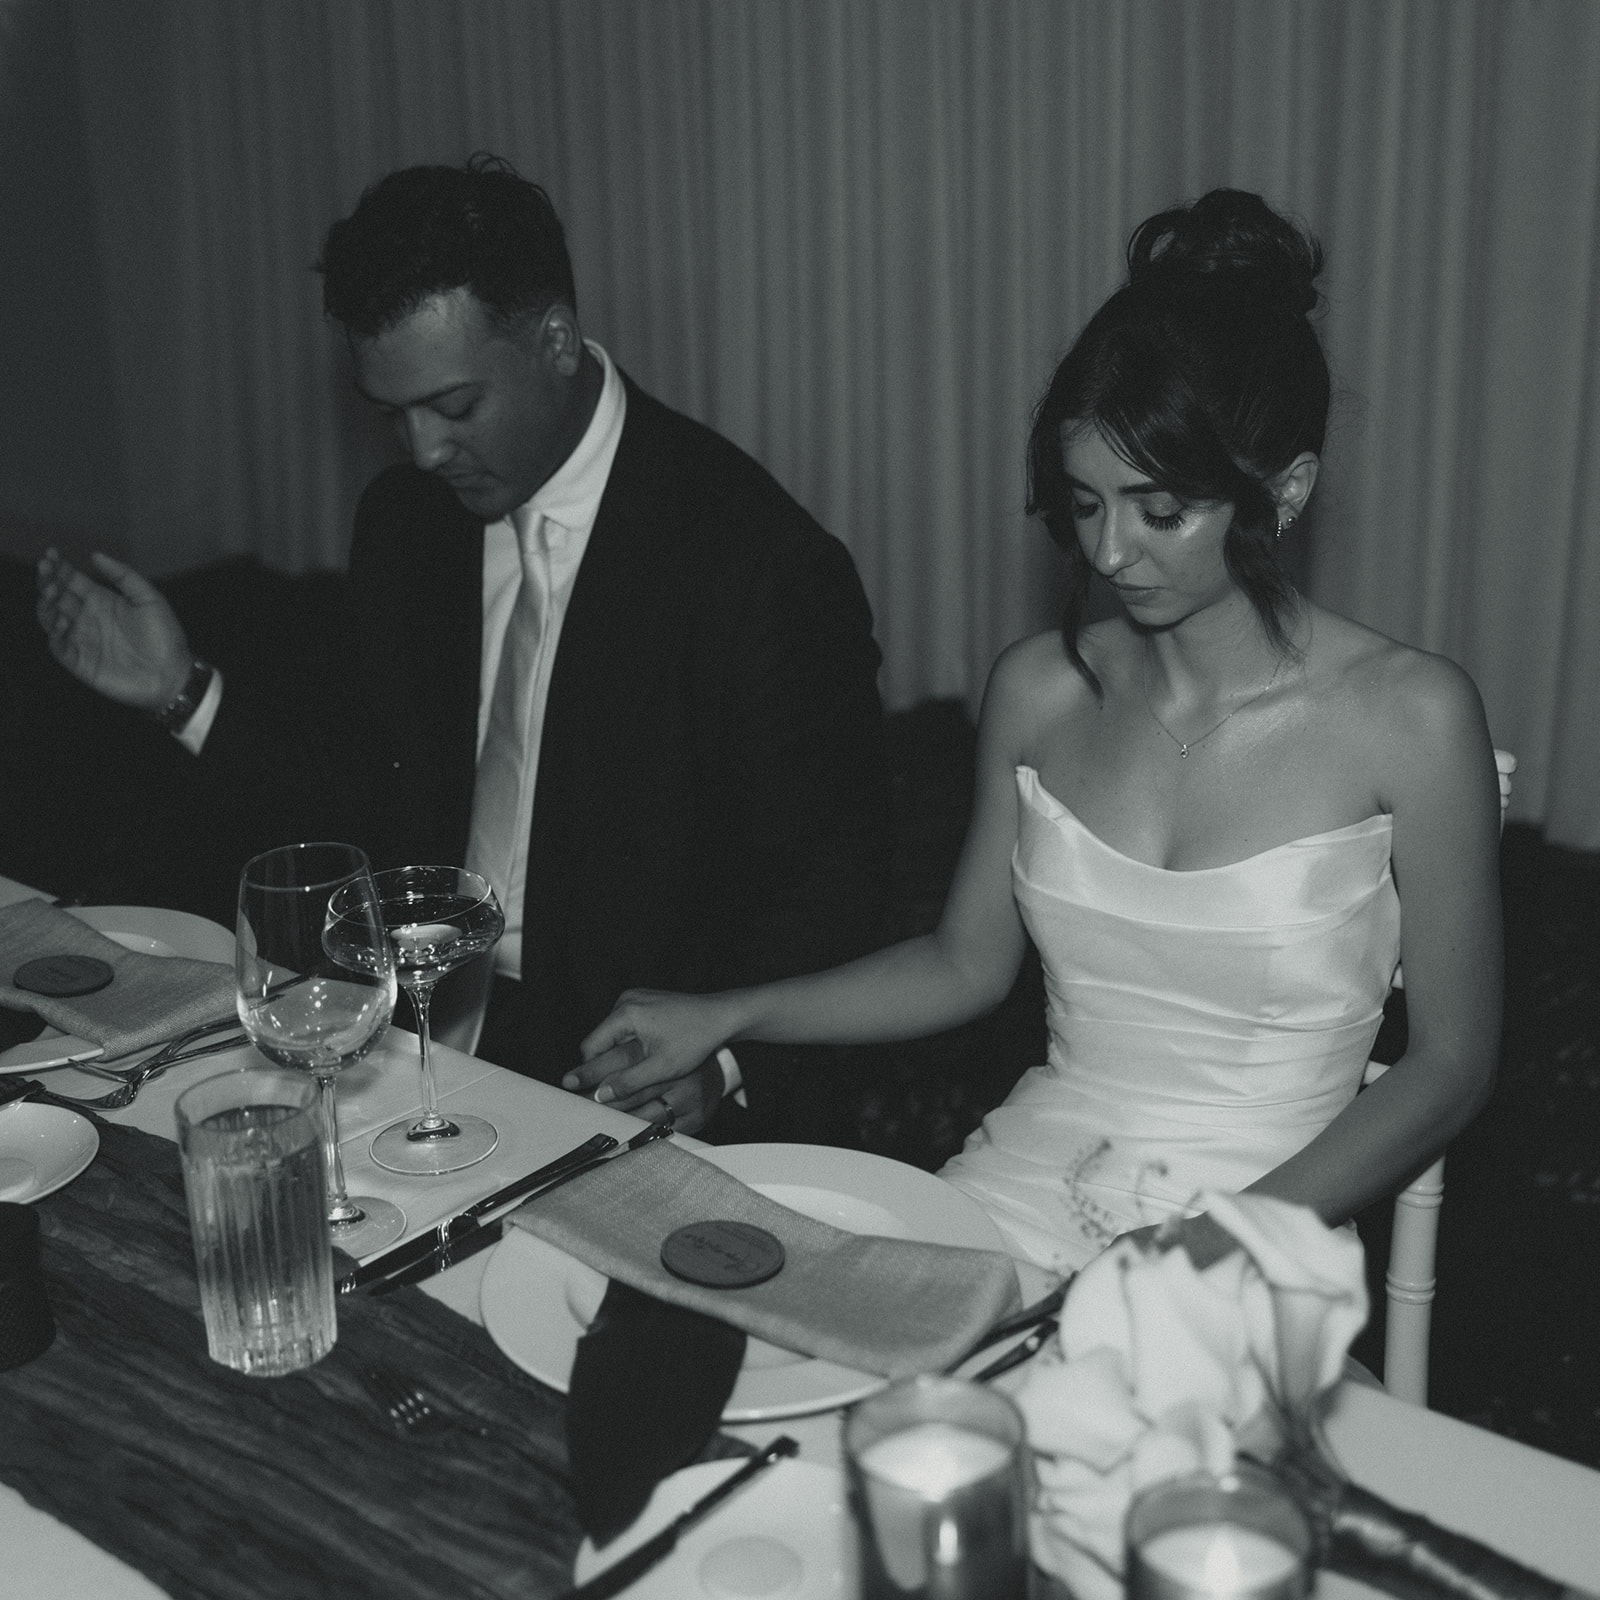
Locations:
(1203, 1026)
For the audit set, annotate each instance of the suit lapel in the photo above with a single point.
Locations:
(619, 625)
(429, 627)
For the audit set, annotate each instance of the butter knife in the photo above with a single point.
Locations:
(658, 1547)
(442, 1252)
(441, 1238)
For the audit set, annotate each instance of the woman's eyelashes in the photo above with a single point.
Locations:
(1083, 510)
(1169, 519)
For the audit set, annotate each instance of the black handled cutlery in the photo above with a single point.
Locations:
(1028, 1317)
(452, 1229)
(466, 1234)
(659, 1546)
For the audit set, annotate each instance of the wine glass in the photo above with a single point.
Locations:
(316, 991)
(438, 919)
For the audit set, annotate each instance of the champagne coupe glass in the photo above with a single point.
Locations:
(316, 1001)
(438, 918)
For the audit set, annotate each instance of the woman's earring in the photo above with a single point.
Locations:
(1284, 526)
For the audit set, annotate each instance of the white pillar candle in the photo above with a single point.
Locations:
(933, 1458)
(1219, 1561)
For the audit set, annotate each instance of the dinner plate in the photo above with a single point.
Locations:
(151, 931)
(537, 1300)
(154, 931)
(786, 1536)
(42, 1148)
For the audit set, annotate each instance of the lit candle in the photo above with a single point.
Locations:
(1224, 1561)
(1238, 1537)
(933, 1458)
(939, 1488)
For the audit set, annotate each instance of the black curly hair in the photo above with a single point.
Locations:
(1204, 372)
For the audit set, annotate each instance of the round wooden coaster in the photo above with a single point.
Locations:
(722, 1255)
(63, 975)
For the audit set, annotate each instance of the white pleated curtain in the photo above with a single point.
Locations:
(855, 236)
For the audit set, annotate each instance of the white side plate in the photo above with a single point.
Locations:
(787, 1534)
(42, 1148)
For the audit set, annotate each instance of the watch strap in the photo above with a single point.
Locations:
(186, 701)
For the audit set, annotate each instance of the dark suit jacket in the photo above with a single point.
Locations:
(712, 803)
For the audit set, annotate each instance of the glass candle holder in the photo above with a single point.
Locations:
(1200, 1537)
(938, 1481)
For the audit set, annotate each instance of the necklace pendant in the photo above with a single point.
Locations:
(1183, 750)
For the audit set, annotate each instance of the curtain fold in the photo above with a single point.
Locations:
(854, 235)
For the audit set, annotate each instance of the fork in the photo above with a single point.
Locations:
(407, 1406)
(174, 1049)
(152, 1067)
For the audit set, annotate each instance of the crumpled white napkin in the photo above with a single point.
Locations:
(1162, 1370)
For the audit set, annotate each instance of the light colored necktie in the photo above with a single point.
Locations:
(497, 791)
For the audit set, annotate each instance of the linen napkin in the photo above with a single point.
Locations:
(647, 1390)
(149, 1000)
(888, 1306)
(1162, 1370)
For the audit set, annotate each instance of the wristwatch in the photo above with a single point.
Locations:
(186, 701)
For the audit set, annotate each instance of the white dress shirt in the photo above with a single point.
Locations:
(560, 517)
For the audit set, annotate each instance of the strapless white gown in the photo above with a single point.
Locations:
(1204, 1025)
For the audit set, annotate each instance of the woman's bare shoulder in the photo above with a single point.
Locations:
(1385, 677)
(1031, 667)
(1409, 709)
(1038, 672)
(1033, 683)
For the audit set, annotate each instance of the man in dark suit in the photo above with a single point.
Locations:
(603, 657)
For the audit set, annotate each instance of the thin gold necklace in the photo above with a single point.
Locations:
(1186, 745)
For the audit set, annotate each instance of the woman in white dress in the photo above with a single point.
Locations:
(1207, 812)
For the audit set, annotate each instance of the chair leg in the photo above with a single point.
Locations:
(1410, 1286)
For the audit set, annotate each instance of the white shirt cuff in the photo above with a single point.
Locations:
(732, 1078)
(192, 735)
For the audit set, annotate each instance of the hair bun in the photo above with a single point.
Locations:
(1228, 239)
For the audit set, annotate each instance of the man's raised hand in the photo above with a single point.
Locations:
(121, 637)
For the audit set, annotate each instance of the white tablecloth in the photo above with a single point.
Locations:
(1536, 1507)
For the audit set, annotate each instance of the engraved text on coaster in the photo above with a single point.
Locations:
(63, 975)
(722, 1255)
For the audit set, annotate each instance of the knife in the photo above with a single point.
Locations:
(1023, 1350)
(441, 1238)
(659, 1546)
(441, 1252)
(435, 1262)
(1029, 1317)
